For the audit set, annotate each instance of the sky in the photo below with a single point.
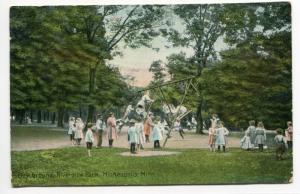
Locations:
(136, 62)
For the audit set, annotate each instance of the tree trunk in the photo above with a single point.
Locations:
(39, 116)
(91, 107)
(66, 116)
(31, 115)
(48, 115)
(91, 112)
(60, 118)
(199, 118)
(44, 116)
(21, 115)
(53, 117)
(80, 111)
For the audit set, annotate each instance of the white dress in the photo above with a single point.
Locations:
(71, 127)
(246, 143)
(132, 135)
(139, 127)
(221, 134)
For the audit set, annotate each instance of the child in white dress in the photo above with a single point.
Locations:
(132, 136)
(221, 133)
(246, 142)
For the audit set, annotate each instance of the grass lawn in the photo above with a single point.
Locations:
(71, 166)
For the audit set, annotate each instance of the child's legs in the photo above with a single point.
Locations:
(110, 142)
(131, 147)
(224, 148)
(261, 147)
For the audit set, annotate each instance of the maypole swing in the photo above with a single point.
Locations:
(188, 83)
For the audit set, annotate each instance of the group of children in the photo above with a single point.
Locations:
(217, 134)
(256, 137)
(75, 130)
(139, 133)
(77, 126)
(76, 133)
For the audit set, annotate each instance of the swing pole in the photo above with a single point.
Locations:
(182, 100)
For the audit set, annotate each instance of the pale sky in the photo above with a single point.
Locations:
(136, 62)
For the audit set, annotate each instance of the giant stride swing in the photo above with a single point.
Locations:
(170, 111)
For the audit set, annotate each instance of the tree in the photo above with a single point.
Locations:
(104, 27)
(253, 80)
(157, 69)
(48, 62)
(202, 26)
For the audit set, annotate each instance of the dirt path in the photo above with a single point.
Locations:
(61, 139)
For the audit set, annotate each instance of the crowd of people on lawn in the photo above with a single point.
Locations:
(255, 137)
(142, 131)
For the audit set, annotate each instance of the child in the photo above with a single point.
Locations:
(251, 131)
(260, 138)
(212, 137)
(139, 127)
(132, 136)
(178, 127)
(221, 133)
(289, 135)
(246, 142)
(157, 133)
(147, 127)
(78, 132)
(71, 130)
(280, 145)
(89, 138)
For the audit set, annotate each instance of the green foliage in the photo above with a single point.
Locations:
(253, 84)
(59, 54)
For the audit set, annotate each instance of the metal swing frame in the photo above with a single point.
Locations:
(188, 83)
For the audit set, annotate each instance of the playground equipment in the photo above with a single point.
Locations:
(178, 112)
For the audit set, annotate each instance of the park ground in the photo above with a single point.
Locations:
(43, 156)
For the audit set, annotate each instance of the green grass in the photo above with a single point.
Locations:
(71, 166)
(35, 132)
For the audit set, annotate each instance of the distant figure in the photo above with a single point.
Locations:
(79, 125)
(157, 133)
(261, 137)
(221, 133)
(89, 139)
(111, 129)
(132, 136)
(100, 127)
(194, 122)
(280, 144)
(127, 112)
(212, 137)
(246, 142)
(214, 120)
(147, 127)
(177, 127)
(139, 127)
(251, 131)
(28, 119)
(289, 135)
(141, 105)
(72, 129)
